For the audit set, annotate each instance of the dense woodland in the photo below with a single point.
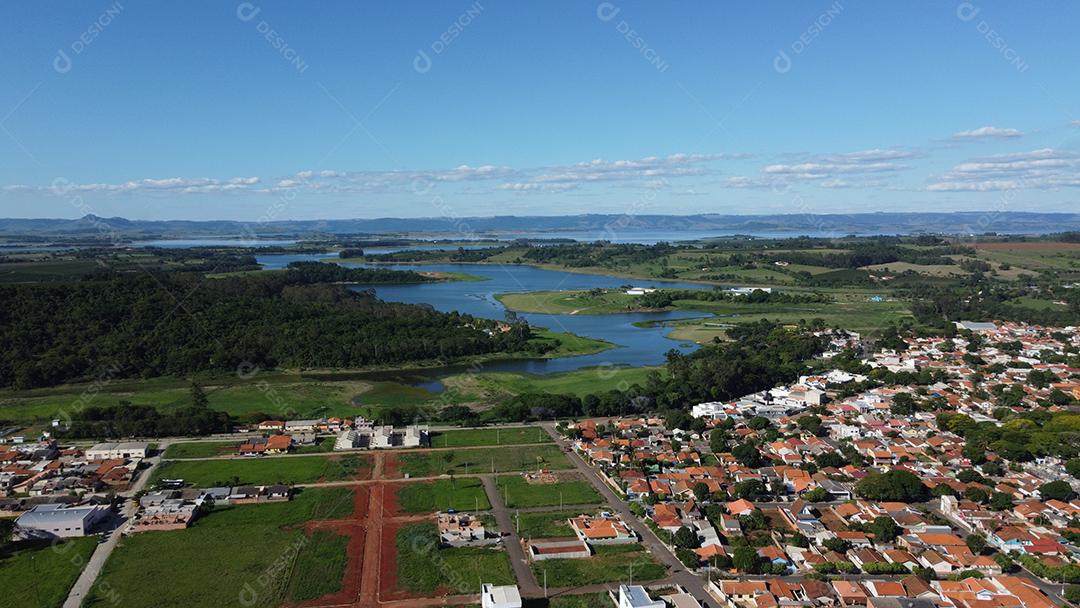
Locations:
(178, 324)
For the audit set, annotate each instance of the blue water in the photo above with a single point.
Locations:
(636, 346)
(190, 243)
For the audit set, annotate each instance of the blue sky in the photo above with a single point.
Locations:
(274, 110)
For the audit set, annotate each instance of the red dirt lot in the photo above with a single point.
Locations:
(391, 467)
(355, 528)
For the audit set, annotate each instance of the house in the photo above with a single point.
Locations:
(733, 591)
(459, 528)
(635, 596)
(59, 521)
(278, 444)
(740, 507)
(499, 596)
(602, 530)
(110, 451)
(558, 549)
(173, 514)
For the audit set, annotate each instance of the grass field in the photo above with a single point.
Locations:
(320, 566)
(590, 302)
(41, 574)
(483, 460)
(464, 494)
(520, 493)
(492, 436)
(608, 565)
(261, 471)
(546, 524)
(581, 600)
(233, 556)
(424, 567)
(200, 449)
(581, 382)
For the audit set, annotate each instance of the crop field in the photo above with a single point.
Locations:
(571, 489)
(483, 460)
(41, 574)
(266, 470)
(230, 557)
(609, 564)
(464, 494)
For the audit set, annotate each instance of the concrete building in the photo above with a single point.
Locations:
(634, 596)
(499, 596)
(59, 521)
(558, 549)
(365, 436)
(109, 451)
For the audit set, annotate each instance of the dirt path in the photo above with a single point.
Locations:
(520, 563)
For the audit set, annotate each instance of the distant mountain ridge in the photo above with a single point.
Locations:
(975, 222)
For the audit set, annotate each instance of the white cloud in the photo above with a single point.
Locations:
(989, 133)
(831, 166)
(1045, 168)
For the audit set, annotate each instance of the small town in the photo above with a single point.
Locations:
(932, 472)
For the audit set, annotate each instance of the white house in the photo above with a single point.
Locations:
(634, 596)
(109, 451)
(499, 596)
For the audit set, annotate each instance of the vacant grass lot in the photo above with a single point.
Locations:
(41, 574)
(464, 494)
(581, 600)
(201, 449)
(423, 567)
(233, 556)
(483, 460)
(262, 471)
(608, 565)
(580, 382)
(546, 524)
(573, 491)
(320, 566)
(494, 436)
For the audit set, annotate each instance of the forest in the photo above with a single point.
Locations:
(178, 324)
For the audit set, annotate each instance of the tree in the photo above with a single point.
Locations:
(746, 559)
(1000, 501)
(758, 423)
(884, 529)
(1073, 467)
(976, 494)
(903, 404)
(687, 557)
(198, 396)
(750, 489)
(810, 423)
(686, 538)
(748, 455)
(976, 542)
(718, 441)
(896, 485)
(1056, 490)
(818, 494)
(799, 540)
(701, 491)
(836, 544)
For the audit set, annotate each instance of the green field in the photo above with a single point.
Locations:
(520, 493)
(200, 449)
(547, 524)
(590, 302)
(581, 600)
(483, 460)
(233, 556)
(41, 574)
(424, 567)
(464, 494)
(581, 382)
(320, 566)
(262, 471)
(609, 564)
(490, 436)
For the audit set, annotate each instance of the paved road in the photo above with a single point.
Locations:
(88, 577)
(679, 574)
(525, 578)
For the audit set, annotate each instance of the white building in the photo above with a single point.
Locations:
(59, 521)
(709, 409)
(634, 596)
(381, 437)
(108, 451)
(499, 596)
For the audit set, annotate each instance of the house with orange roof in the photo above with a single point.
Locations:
(602, 530)
(740, 507)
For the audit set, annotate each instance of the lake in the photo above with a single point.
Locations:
(636, 346)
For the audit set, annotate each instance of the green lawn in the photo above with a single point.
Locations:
(608, 564)
(200, 449)
(234, 556)
(572, 302)
(492, 436)
(581, 600)
(483, 460)
(261, 471)
(41, 574)
(520, 493)
(581, 382)
(424, 567)
(464, 494)
(546, 524)
(320, 567)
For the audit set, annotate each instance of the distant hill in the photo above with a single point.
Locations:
(91, 226)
